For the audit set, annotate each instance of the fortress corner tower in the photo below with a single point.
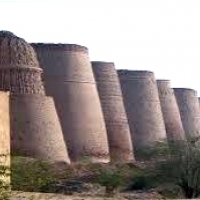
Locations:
(35, 128)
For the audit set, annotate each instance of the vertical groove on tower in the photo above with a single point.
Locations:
(35, 128)
(189, 110)
(117, 126)
(69, 79)
(143, 108)
(170, 110)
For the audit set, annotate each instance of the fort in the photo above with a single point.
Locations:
(143, 107)
(59, 106)
(170, 110)
(118, 132)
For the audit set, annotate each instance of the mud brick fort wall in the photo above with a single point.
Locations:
(63, 108)
(117, 126)
(143, 108)
(189, 110)
(170, 110)
(69, 79)
(34, 125)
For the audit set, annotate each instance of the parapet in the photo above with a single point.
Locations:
(170, 110)
(127, 75)
(73, 65)
(186, 91)
(60, 47)
(143, 108)
(35, 128)
(118, 132)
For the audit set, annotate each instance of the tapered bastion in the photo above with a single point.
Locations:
(119, 137)
(143, 107)
(35, 127)
(170, 110)
(189, 110)
(19, 68)
(69, 79)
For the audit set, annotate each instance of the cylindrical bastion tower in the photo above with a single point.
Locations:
(119, 137)
(170, 110)
(143, 108)
(69, 79)
(38, 132)
(35, 128)
(189, 110)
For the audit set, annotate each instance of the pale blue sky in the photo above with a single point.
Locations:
(162, 36)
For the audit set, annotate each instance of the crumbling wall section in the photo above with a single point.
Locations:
(189, 110)
(170, 110)
(21, 80)
(71, 82)
(117, 126)
(143, 107)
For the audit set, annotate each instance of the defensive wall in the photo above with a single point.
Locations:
(71, 82)
(143, 107)
(33, 123)
(170, 110)
(189, 110)
(119, 137)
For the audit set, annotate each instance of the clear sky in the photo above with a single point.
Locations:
(162, 36)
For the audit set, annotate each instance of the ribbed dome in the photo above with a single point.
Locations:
(15, 52)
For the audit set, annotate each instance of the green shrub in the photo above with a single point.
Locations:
(4, 182)
(183, 168)
(111, 179)
(30, 175)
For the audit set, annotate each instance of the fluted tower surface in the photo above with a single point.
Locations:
(170, 110)
(19, 67)
(117, 126)
(189, 110)
(143, 107)
(69, 79)
(4, 133)
(39, 133)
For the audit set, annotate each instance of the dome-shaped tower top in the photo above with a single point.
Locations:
(15, 52)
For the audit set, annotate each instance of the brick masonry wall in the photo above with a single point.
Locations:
(21, 80)
(35, 128)
(117, 126)
(143, 107)
(71, 82)
(170, 110)
(189, 110)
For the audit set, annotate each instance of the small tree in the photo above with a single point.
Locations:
(182, 167)
(111, 179)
